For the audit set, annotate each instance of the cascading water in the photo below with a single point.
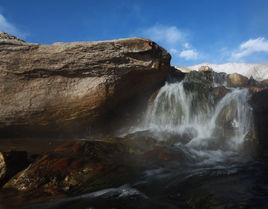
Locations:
(211, 131)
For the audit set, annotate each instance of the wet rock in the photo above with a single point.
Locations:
(11, 163)
(219, 92)
(255, 89)
(259, 102)
(236, 80)
(203, 77)
(67, 167)
(176, 75)
(219, 79)
(68, 88)
(252, 82)
(91, 165)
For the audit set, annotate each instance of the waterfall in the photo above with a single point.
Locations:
(206, 128)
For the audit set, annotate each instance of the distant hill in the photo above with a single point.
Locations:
(258, 71)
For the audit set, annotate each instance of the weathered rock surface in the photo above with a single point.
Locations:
(91, 165)
(6, 38)
(70, 87)
(237, 80)
(11, 163)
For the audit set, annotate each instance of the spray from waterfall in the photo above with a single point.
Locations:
(206, 128)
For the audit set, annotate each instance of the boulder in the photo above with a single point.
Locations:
(90, 165)
(236, 80)
(200, 77)
(70, 88)
(11, 163)
(205, 69)
(219, 92)
(68, 167)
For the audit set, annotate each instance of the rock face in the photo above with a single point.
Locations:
(6, 38)
(259, 103)
(70, 87)
(237, 80)
(11, 163)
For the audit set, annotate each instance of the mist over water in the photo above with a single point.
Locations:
(208, 130)
(213, 135)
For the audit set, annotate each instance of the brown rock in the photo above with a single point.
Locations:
(91, 165)
(68, 167)
(205, 69)
(219, 92)
(72, 87)
(236, 80)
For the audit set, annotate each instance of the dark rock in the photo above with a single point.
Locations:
(219, 92)
(67, 88)
(91, 165)
(176, 75)
(202, 77)
(252, 82)
(11, 163)
(259, 102)
(219, 79)
(68, 167)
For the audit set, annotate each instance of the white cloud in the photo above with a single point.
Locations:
(189, 54)
(6, 26)
(250, 47)
(173, 39)
(168, 34)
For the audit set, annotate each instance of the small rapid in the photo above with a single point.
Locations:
(208, 130)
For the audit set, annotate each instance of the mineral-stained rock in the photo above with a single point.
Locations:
(11, 163)
(90, 165)
(72, 87)
(237, 80)
(69, 166)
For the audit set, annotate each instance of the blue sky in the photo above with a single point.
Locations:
(193, 31)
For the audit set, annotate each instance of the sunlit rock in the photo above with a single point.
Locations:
(69, 88)
(237, 80)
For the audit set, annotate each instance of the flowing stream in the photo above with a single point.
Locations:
(210, 131)
(214, 134)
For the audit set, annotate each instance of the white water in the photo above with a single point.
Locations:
(214, 132)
